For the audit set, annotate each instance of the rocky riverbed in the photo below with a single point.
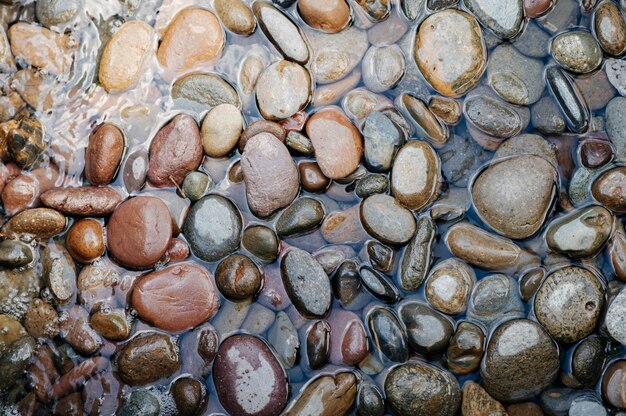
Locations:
(313, 207)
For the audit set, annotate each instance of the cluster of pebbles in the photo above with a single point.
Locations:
(313, 207)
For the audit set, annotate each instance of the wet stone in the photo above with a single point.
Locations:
(194, 37)
(213, 228)
(412, 8)
(238, 278)
(148, 358)
(85, 240)
(104, 154)
(83, 201)
(577, 52)
(262, 242)
(514, 77)
(423, 118)
(25, 142)
(15, 254)
(248, 377)
(54, 13)
(533, 41)
(312, 178)
(504, 19)
(335, 56)
(521, 360)
(270, 174)
(187, 291)
(59, 273)
(442, 39)
(595, 153)
(614, 319)
(417, 257)
(421, 389)
(41, 320)
(140, 403)
(493, 298)
(581, 233)
(199, 91)
(150, 220)
(283, 336)
(377, 10)
(311, 296)
(53, 51)
(385, 219)
(300, 217)
(337, 142)
(379, 285)
(449, 285)
(236, 16)
(466, 347)
(514, 196)
(282, 32)
(135, 171)
(175, 151)
(588, 360)
(536, 8)
(616, 127)
(299, 143)
(416, 175)
(563, 15)
(189, 395)
(546, 116)
(371, 185)
(283, 89)
(428, 331)
(568, 303)
(346, 285)
(124, 56)
(196, 185)
(382, 67)
(388, 334)
(381, 257)
(492, 116)
(317, 344)
(613, 384)
(15, 359)
(616, 73)
(569, 99)
(113, 325)
(328, 15)
(610, 28)
(326, 395)
(597, 91)
(608, 189)
(221, 129)
(382, 138)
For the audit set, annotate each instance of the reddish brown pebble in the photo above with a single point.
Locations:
(175, 151)
(337, 142)
(39, 222)
(148, 358)
(524, 409)
(312, 178)
(262, 126)
(238, 278)
(185, 291)
(24, 191)
(595, 153)
(41, 320)
(70, 405)
(614, 384)
(177, 250)
(248, 378)
(43, 373)
(446, 109)
(75, 330)
(235, 174)
(86, 201)
(139, 232)
(536, 8)
(609, 189)
(104, 154)
(85, 240)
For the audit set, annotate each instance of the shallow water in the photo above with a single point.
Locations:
(81, 104)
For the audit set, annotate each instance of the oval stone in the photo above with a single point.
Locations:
(306, 283)
(386, 220)
(581, 233)
(514, 196)
(148, 358)
(520, 361)
(270, 174)
(104, 154)
(330, 16)
(568, 303)
(577, 51)
(283, 89)
(504, 18)
(89, 201)
(236, 16)
(194, 37)
(416, 175)
(610, 28)
(284, 34)
(337, 142)
(609, 190)
(450, 51)
(124, 56)
(139, 232)
(185, 290)
(175, 151)
(213, 228)
(248, 377)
